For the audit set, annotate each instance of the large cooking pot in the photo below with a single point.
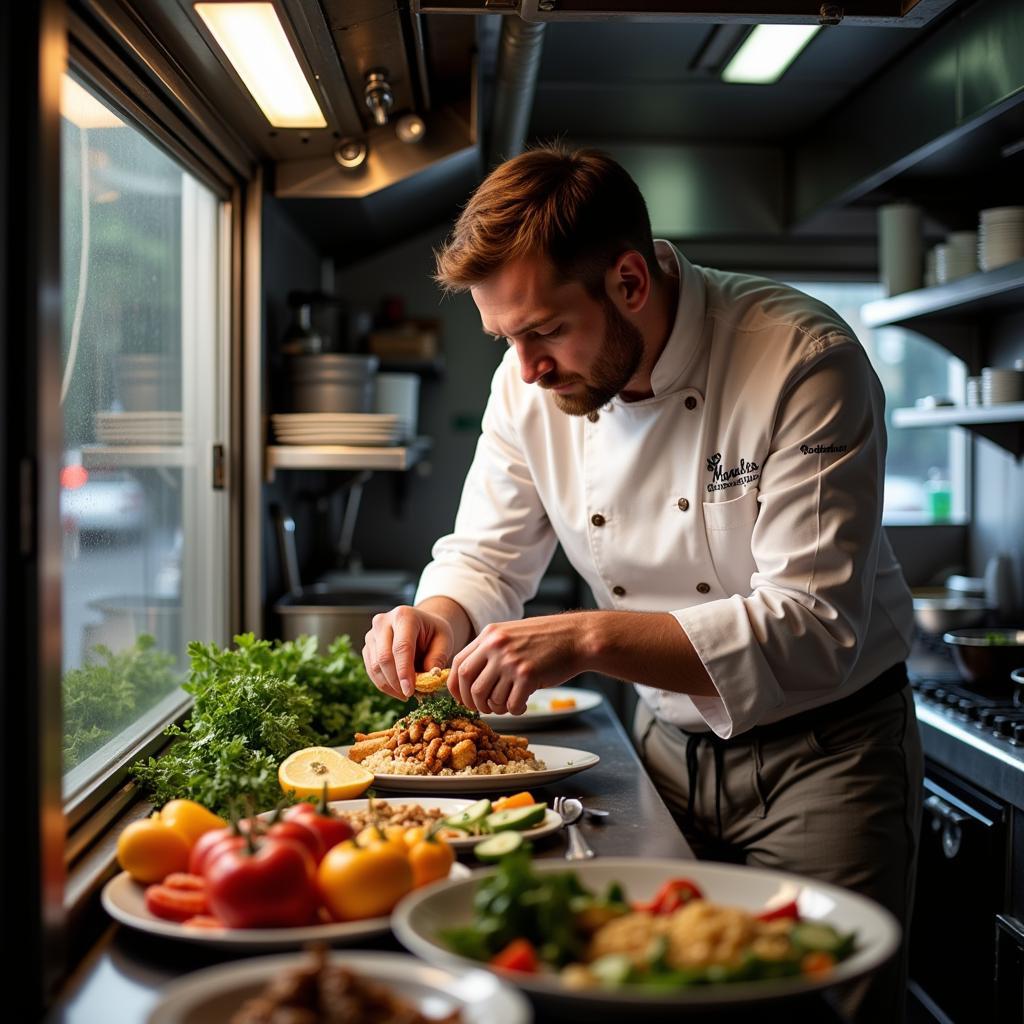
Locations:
(986, 655)
(325, 612)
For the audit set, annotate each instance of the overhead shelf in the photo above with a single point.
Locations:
(1002, 424)
(347, 457)
(982, 293)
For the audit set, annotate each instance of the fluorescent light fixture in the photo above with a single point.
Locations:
(81, 108)
(253, 39)
(767, 52)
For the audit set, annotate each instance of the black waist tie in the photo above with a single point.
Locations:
(693, 742)
(891, 681)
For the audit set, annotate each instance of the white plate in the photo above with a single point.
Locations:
(538, 709)
(212, 995)
(419, 916)
(561, 762)
(551, 823)
(124, 900)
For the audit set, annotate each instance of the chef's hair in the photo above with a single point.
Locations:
(578, 208)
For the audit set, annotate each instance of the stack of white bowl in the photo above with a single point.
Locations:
(958, 257)
(998, 385)
(1000, 236)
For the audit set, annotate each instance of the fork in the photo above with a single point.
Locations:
(569, 810)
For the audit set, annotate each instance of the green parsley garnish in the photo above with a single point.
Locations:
(441, 708)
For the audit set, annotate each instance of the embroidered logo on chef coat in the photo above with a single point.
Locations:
(722, 477)
(823, 449)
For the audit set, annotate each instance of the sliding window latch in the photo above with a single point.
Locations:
(219, 468)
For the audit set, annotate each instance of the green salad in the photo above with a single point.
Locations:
(533, 922)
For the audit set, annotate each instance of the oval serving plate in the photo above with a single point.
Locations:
(124, 900)
(551, 823)
(419, 917)
(561, 762)
(539, 712)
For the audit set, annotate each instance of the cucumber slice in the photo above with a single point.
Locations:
(612, 970)
(497, 846)
(817, 938)
(471, 818)
(518, 819)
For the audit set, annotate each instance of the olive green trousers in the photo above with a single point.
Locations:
(839, 801)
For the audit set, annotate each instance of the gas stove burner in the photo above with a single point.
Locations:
(1000, 715)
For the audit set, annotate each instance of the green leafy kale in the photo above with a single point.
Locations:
(254, 704)
(110, 692)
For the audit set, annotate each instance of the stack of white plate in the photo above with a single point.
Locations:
(139, 428)
(351, 428)
(1000, 236)
(958, 257)
(1001, 386)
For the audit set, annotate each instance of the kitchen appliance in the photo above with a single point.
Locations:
(961, 887)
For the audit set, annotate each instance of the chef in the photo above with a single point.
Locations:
(709, 450)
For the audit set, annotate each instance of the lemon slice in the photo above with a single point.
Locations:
(306, 771)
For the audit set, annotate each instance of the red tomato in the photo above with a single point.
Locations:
(267, 883)
(184, 880)
(331, 828)
(301, 833)
(786, 910)
(518, 955)
(174, 904)
(673, 894)
(208, 842)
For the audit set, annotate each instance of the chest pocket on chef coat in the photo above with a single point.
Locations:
(730, 525)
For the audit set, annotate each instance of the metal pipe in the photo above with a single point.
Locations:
(519, 52)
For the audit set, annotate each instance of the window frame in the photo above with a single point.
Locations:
(961, 449)
(126, 67)
(92, 782)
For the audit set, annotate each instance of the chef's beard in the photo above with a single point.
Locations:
(618, 359)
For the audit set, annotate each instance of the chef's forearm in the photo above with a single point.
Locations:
(455, 615)
(643, 647)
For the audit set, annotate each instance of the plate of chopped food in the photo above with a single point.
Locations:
(442, 745)
(463, 824)
(547, 707)
(322, 985)
(628, 933)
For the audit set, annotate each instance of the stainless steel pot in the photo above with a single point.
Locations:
(938, 614)
(326, 612)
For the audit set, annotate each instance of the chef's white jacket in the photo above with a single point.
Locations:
(744, 498)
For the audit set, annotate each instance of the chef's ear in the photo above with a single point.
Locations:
(628, 281)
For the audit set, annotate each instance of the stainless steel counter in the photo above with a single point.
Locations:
(992, 763)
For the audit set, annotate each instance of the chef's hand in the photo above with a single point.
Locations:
(400, 639)
(508, 661)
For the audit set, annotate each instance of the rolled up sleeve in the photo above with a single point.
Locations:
(796, 637)
(492, 562)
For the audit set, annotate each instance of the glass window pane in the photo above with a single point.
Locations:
(140, 405)
(925, 469)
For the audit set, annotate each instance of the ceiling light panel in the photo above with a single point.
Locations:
(767, 52)
(254, 41)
